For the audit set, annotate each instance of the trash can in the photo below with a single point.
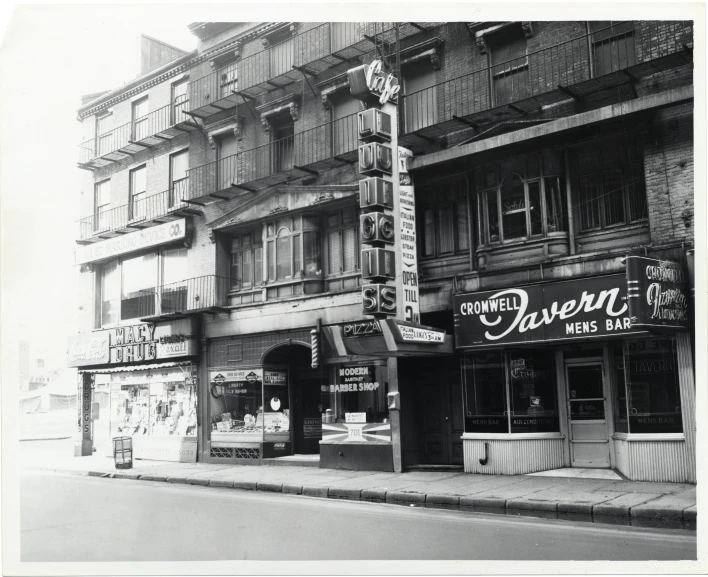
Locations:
(123, 452)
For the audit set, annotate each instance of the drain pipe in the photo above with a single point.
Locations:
(486, 455)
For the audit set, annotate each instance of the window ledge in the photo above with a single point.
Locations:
(509, 436)
(648, 437)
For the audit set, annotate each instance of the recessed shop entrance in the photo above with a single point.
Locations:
(588, 407)
(305, 400)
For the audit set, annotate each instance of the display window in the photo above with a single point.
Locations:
(510, 391)
(356, 393)
(236, 404)
(653, 398)
(276, 415)
(153, 403)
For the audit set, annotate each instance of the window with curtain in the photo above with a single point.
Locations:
(611, 189)
(444, 215)
(138, 193)
(612, 46)
(342, 241)
(141, 108)
(246, 261)
(102, 204)
(179, 164)
(139, 284)
(110, 294)
(510, 67)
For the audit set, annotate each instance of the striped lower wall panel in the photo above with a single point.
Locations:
(663, 461)
(513, 457)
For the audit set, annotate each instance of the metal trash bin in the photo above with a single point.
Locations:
(123, 452)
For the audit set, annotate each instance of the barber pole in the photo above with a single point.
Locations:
(315, 341)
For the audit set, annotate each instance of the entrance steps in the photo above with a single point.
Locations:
(438, 468)
(293, 461)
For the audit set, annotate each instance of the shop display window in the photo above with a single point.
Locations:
(620, 392)
(356, 392)
(651, 376)
(532, 386)
(157, 406)
(276, 418)
(485, 392)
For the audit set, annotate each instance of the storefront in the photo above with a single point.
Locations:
(150, 371)
(565, 374)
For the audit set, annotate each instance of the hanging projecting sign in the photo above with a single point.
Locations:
(657, 293)
(407, 239)
(559, 311)
(146, 238)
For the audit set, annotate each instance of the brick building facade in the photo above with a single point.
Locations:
(544, 155)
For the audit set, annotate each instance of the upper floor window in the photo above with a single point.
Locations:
(174, 287)
(445, 222)
(228, 80)
(293, 248)
(421, 102)
(140, 118)
(342, 34)
(138, 193)
(102, 204)
(179, 164)
(246, 261)
(342, 241)
(104, 136)
(227, 167)
(612, 46)
(180, 100)
(344, 128)
(139, 280)
(110, 294)
(281, 52)
(525, 198)
(510, 67)
(282, 142)
(611, 188)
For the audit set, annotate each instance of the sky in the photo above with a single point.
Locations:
(49, 57)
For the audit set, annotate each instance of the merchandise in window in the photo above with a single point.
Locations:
(236, 405)
(611, 188)
(354, 393)
(653, 395)
(246, 261)
(526, 195)
(139, 280)
(277, 405)
(445, 219)
(485, 392)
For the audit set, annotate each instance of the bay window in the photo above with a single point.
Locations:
(342, 242)
(293, 248)
(246, 261)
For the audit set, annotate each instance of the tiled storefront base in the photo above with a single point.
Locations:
(513, 456)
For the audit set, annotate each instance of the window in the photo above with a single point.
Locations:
(140, 119)
(139, 282)
(342, 241)
(445, 220)
(342, 35)
(282, 141)
(102, 204)
(610, 185)
(421, 95)
(236, 406)
(367, 396)
(526, 198)
(104, 135)
(293, 248)
(653, 398)
(227, 167)
(138, 193)
(246, 261)
(515, 388)
(180, 100)
(173, 292)
(228, 80)
(281, 52)
(510, 66)
(110, 294)
(179, 164)
(612, 46)
(344, 128)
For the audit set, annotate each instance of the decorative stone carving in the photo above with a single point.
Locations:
(292, 107)
(481, 43)
(237, 50)
(278, 209)
(323, 198)
(232, 221)
(326, 102)
(235, 125)
(435, 60)
(528, 30)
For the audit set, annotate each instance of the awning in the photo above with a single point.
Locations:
(130, 368)
(384, 338)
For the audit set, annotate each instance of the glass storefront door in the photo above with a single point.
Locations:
(587, 404)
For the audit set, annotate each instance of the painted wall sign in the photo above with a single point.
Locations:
(420, 335)
(567, 310)
(657, 293)
(146, 238)
(250, 376)
(275, 378)
(133, 343)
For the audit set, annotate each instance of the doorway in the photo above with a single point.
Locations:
(308, 414)
(587, 414)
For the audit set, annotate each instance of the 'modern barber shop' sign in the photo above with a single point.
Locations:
(560, 311)
(657, 293)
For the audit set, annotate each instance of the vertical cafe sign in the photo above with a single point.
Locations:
(657, 293)
(386, 198)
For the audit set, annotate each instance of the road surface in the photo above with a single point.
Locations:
(77, 518)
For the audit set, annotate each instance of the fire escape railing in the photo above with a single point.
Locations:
(185, 296)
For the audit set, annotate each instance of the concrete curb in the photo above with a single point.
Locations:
(603, 512)
(45, 439)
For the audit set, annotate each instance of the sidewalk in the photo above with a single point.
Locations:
(598, 500)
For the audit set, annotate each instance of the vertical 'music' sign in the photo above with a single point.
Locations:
(386, 199)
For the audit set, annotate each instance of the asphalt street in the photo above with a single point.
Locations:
(77, 518)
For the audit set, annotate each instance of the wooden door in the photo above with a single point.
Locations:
(442, 421)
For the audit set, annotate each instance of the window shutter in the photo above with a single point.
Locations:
(335, 252)
(349, 241)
